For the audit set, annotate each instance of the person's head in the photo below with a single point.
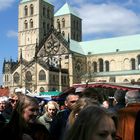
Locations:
(91, 92)
(78, 106)
(26, 109)
(51, 108)
(70, 100)
(3, 103)
(132, 96)
(13, 98)
(119, 97)
(93, 123)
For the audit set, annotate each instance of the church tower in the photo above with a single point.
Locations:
(34, 21)
(68, 23)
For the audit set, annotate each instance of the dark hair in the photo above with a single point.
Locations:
(91, 92)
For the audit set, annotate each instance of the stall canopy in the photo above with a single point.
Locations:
(50, 93)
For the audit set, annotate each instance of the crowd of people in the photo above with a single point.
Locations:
(87, 115)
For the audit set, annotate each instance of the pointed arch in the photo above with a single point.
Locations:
(42, 75)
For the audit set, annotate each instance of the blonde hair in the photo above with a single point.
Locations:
(56, 105)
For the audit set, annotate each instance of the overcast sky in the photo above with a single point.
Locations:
(101, 19)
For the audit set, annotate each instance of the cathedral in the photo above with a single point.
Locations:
(53, 56)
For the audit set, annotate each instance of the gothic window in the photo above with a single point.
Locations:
(58, 24)
(48, 26)
(63, 22)
(106, 65)
(48, 13)
(28, 76)
(16, 78)
(44, 28)
(31, 9)
(77, 25)
(31, 23)
(133, 65)
(42, 89)
(44, 11)
(101, 65)
(26, 10)
(25, 24)
(42, 75)
(74, 24)
(63, 33)
(95, 66)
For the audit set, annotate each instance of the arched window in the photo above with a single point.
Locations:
(42, 89)
(44, 11)
(112, 79)
(101, 65)
(48, 13)
(25, 10)
(31, 23)
(106, 65)
(125, 80)
(31, 9)
(28, 76)
(138, 59)
(16, 77)
(63, 33)
(42, 75)
(133, 64)
(94, 66)
(63, 22)
(25, 24)
(58, 24)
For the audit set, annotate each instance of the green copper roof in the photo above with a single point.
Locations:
(22, 1)
(108, 45)
(65, 9)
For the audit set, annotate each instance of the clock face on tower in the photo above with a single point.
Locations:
(52, 46)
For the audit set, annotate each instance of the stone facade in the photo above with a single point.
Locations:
(48, 59)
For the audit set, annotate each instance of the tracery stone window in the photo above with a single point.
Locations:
(16, 78)
(31, 9)
(25, 10)
(28, 76)
(106, 65)
(133, 64)
(42, 75)
(101, 65)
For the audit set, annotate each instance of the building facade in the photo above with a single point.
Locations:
(52, 55)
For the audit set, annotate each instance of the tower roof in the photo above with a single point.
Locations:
(22, 1)
(66, 9)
